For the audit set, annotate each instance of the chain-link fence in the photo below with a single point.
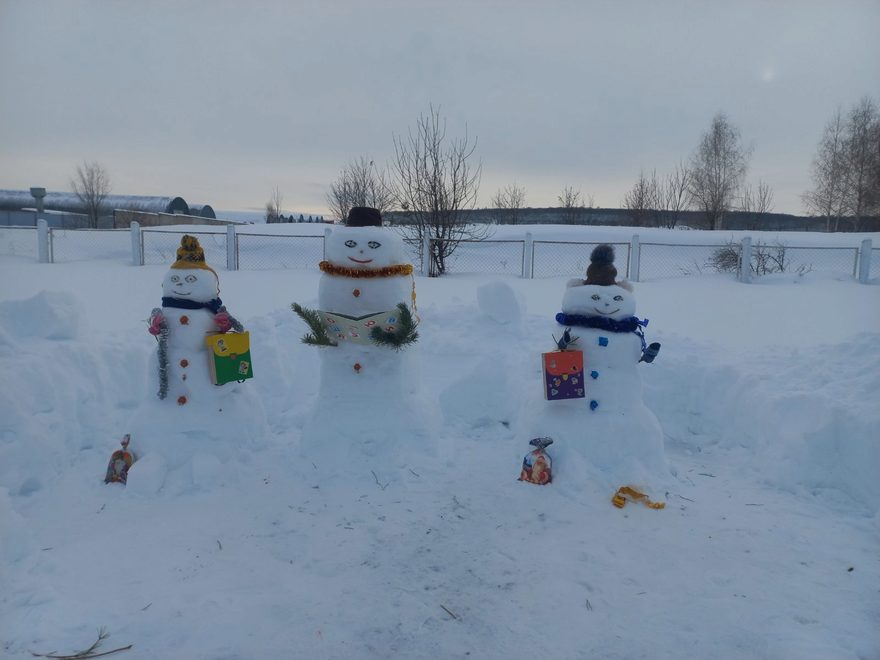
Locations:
(661, 261)
(66, 245)
(160, 246)
(503, 257)
(267, 252)
(569, 258)
(18, 242)
(787, 259)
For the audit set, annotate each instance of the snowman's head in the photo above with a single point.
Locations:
(196, 284)
(614, 301)
(190, 276)
(364, 248)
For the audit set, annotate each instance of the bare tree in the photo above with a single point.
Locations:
(91, 185)
(675, 195)
(644, 200)
(273, 206)
(573, 205)
(360, 183)
(861, 156)
(756, 202)
(509, 201)
(717, 169)
(826, 198)
(435, 183)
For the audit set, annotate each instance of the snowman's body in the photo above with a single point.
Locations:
(367, 398)
(611, 432)
(188, 374)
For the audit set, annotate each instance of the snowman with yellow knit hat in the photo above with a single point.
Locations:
(191, 310)
(194, 435)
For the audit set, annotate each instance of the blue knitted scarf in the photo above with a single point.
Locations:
(628, 324)
(180, 303)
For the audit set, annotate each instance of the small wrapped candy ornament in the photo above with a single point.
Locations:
(120, 461)
(537, 464)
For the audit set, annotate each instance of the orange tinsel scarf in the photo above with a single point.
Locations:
(387, 271)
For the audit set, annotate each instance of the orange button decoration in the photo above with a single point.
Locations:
(184, 320)
(181, 400)
(357, 367)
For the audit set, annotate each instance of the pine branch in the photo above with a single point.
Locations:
(318, 335)
(404, 335)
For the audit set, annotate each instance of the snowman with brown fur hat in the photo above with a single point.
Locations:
(610, 431)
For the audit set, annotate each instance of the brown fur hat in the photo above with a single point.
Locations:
(601, 270)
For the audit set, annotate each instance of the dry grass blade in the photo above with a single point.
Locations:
(90, 652)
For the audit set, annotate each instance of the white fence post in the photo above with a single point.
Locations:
(137, 245)
(528, 270)
(42, 241)
(426, 255)
(745, 260)
(231, 251)
(635, 258)
(327, 231)
(865, 261)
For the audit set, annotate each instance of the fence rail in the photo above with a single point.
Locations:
(526, 258)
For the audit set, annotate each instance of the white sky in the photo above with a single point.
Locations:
(221, 101)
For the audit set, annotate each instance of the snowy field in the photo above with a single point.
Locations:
(769, 398)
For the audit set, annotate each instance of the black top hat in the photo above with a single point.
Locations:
(363, 216)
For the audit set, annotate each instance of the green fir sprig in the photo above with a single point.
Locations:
(404, 335)
(318, 335)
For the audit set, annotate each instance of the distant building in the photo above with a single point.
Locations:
(62, 208)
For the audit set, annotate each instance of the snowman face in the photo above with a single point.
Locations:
(195, 284)
(364, 247)
(611, 302)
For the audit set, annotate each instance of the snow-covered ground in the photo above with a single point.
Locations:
(767, 393)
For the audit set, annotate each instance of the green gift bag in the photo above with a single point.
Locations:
(230, 357)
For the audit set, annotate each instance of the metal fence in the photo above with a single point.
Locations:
(67, 245)
(516, 257)
(561, 258)
(18, 242)
(501, 257)
(268, 252)
(660, 261)
(160, 246)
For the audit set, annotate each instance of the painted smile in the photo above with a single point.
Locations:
(181, 293)
(360, 261)
(606, 313)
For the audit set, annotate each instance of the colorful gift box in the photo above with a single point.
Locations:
(230, 357)
(357, 329)
(563, 375)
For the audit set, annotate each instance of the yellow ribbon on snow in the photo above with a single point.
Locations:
(628, 493)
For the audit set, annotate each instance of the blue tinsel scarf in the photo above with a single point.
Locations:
(628, 324)
(180, 303)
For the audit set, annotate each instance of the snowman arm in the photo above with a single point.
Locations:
(233, 322)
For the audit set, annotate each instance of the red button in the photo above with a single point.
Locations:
(184, 320)
(356, 293)
(184, 363)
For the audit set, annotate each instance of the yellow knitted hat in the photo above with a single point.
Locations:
(191, 255)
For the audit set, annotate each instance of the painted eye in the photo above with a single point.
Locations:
(350, 243)
(618, 298)
(374, 244)
(595, 296)
(175, 279)
(190, 278)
